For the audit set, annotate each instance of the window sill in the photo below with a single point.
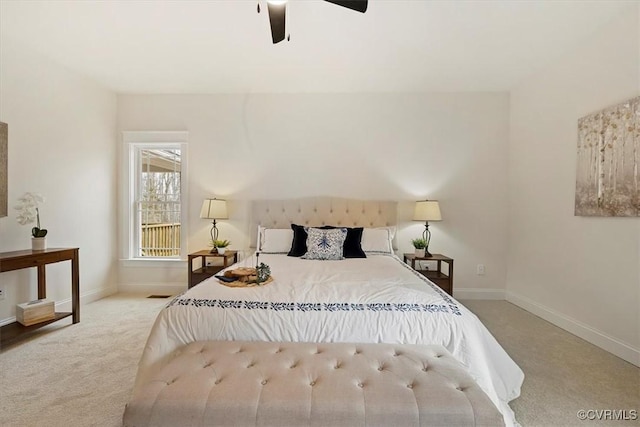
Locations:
(154, 262)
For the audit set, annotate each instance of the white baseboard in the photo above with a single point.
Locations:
(582, 330)
(65, 304)
(471, 293)
(173, 288)
(87, 297)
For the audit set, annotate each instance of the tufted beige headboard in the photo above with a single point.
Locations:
(317, 211)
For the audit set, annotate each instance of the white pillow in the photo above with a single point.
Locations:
(378, 240)
(274, 240)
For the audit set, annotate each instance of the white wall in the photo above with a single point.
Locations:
(61, 144)
(451, 147)
(578, 272)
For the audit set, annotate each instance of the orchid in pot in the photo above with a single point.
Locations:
(28, 212)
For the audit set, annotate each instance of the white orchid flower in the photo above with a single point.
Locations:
(29, 212)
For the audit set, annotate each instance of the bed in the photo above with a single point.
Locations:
(377, 299)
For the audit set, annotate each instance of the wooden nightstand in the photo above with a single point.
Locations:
(444, 280)
(205, 271)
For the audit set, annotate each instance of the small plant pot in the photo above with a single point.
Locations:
(221, 251)
(420, 253)
(38, 243)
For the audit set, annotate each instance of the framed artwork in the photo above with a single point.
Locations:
(4, 175)
(607, 180)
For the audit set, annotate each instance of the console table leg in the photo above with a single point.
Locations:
(42, 282)
(75, 287)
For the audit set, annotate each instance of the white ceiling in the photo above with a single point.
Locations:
(224, 46)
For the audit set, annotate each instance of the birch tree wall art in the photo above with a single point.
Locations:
(607, 181)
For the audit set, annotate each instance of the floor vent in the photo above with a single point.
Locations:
(159, 296)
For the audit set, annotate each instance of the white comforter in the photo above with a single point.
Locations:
(377, 299)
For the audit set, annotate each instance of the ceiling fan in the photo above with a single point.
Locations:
(278, 8)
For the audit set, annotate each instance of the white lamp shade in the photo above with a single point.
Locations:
(427, 210)
(214, 209)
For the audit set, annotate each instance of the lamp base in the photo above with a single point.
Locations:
(427, 253)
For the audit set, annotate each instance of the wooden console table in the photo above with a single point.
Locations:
(18, 260)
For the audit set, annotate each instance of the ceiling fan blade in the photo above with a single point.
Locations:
(358, 5)
(277, 14)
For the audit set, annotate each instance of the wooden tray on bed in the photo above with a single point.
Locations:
(245, 278)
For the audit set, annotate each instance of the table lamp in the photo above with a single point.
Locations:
(427, 210)
(214, 209)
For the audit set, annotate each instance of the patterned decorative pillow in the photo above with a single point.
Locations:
(325, 244)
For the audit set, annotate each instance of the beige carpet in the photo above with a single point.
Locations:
(82, 375)
(77, 375)
(563, 373)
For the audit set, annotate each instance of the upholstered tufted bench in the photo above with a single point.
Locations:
(320, 384)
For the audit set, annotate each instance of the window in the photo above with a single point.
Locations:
(157, 198)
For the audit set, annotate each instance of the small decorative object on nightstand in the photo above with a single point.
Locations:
(419, 244)
(221, 246)
(437, 276)
(205, 271)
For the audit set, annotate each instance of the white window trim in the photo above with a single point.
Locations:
(132, 140)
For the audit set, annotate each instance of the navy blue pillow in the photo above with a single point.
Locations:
(352, 245)
(299, 243)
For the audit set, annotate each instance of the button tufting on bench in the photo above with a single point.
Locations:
(347, 395)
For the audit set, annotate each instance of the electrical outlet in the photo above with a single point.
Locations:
(480, 270)
(1, 293)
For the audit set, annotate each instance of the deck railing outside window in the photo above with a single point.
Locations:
(159, 240)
